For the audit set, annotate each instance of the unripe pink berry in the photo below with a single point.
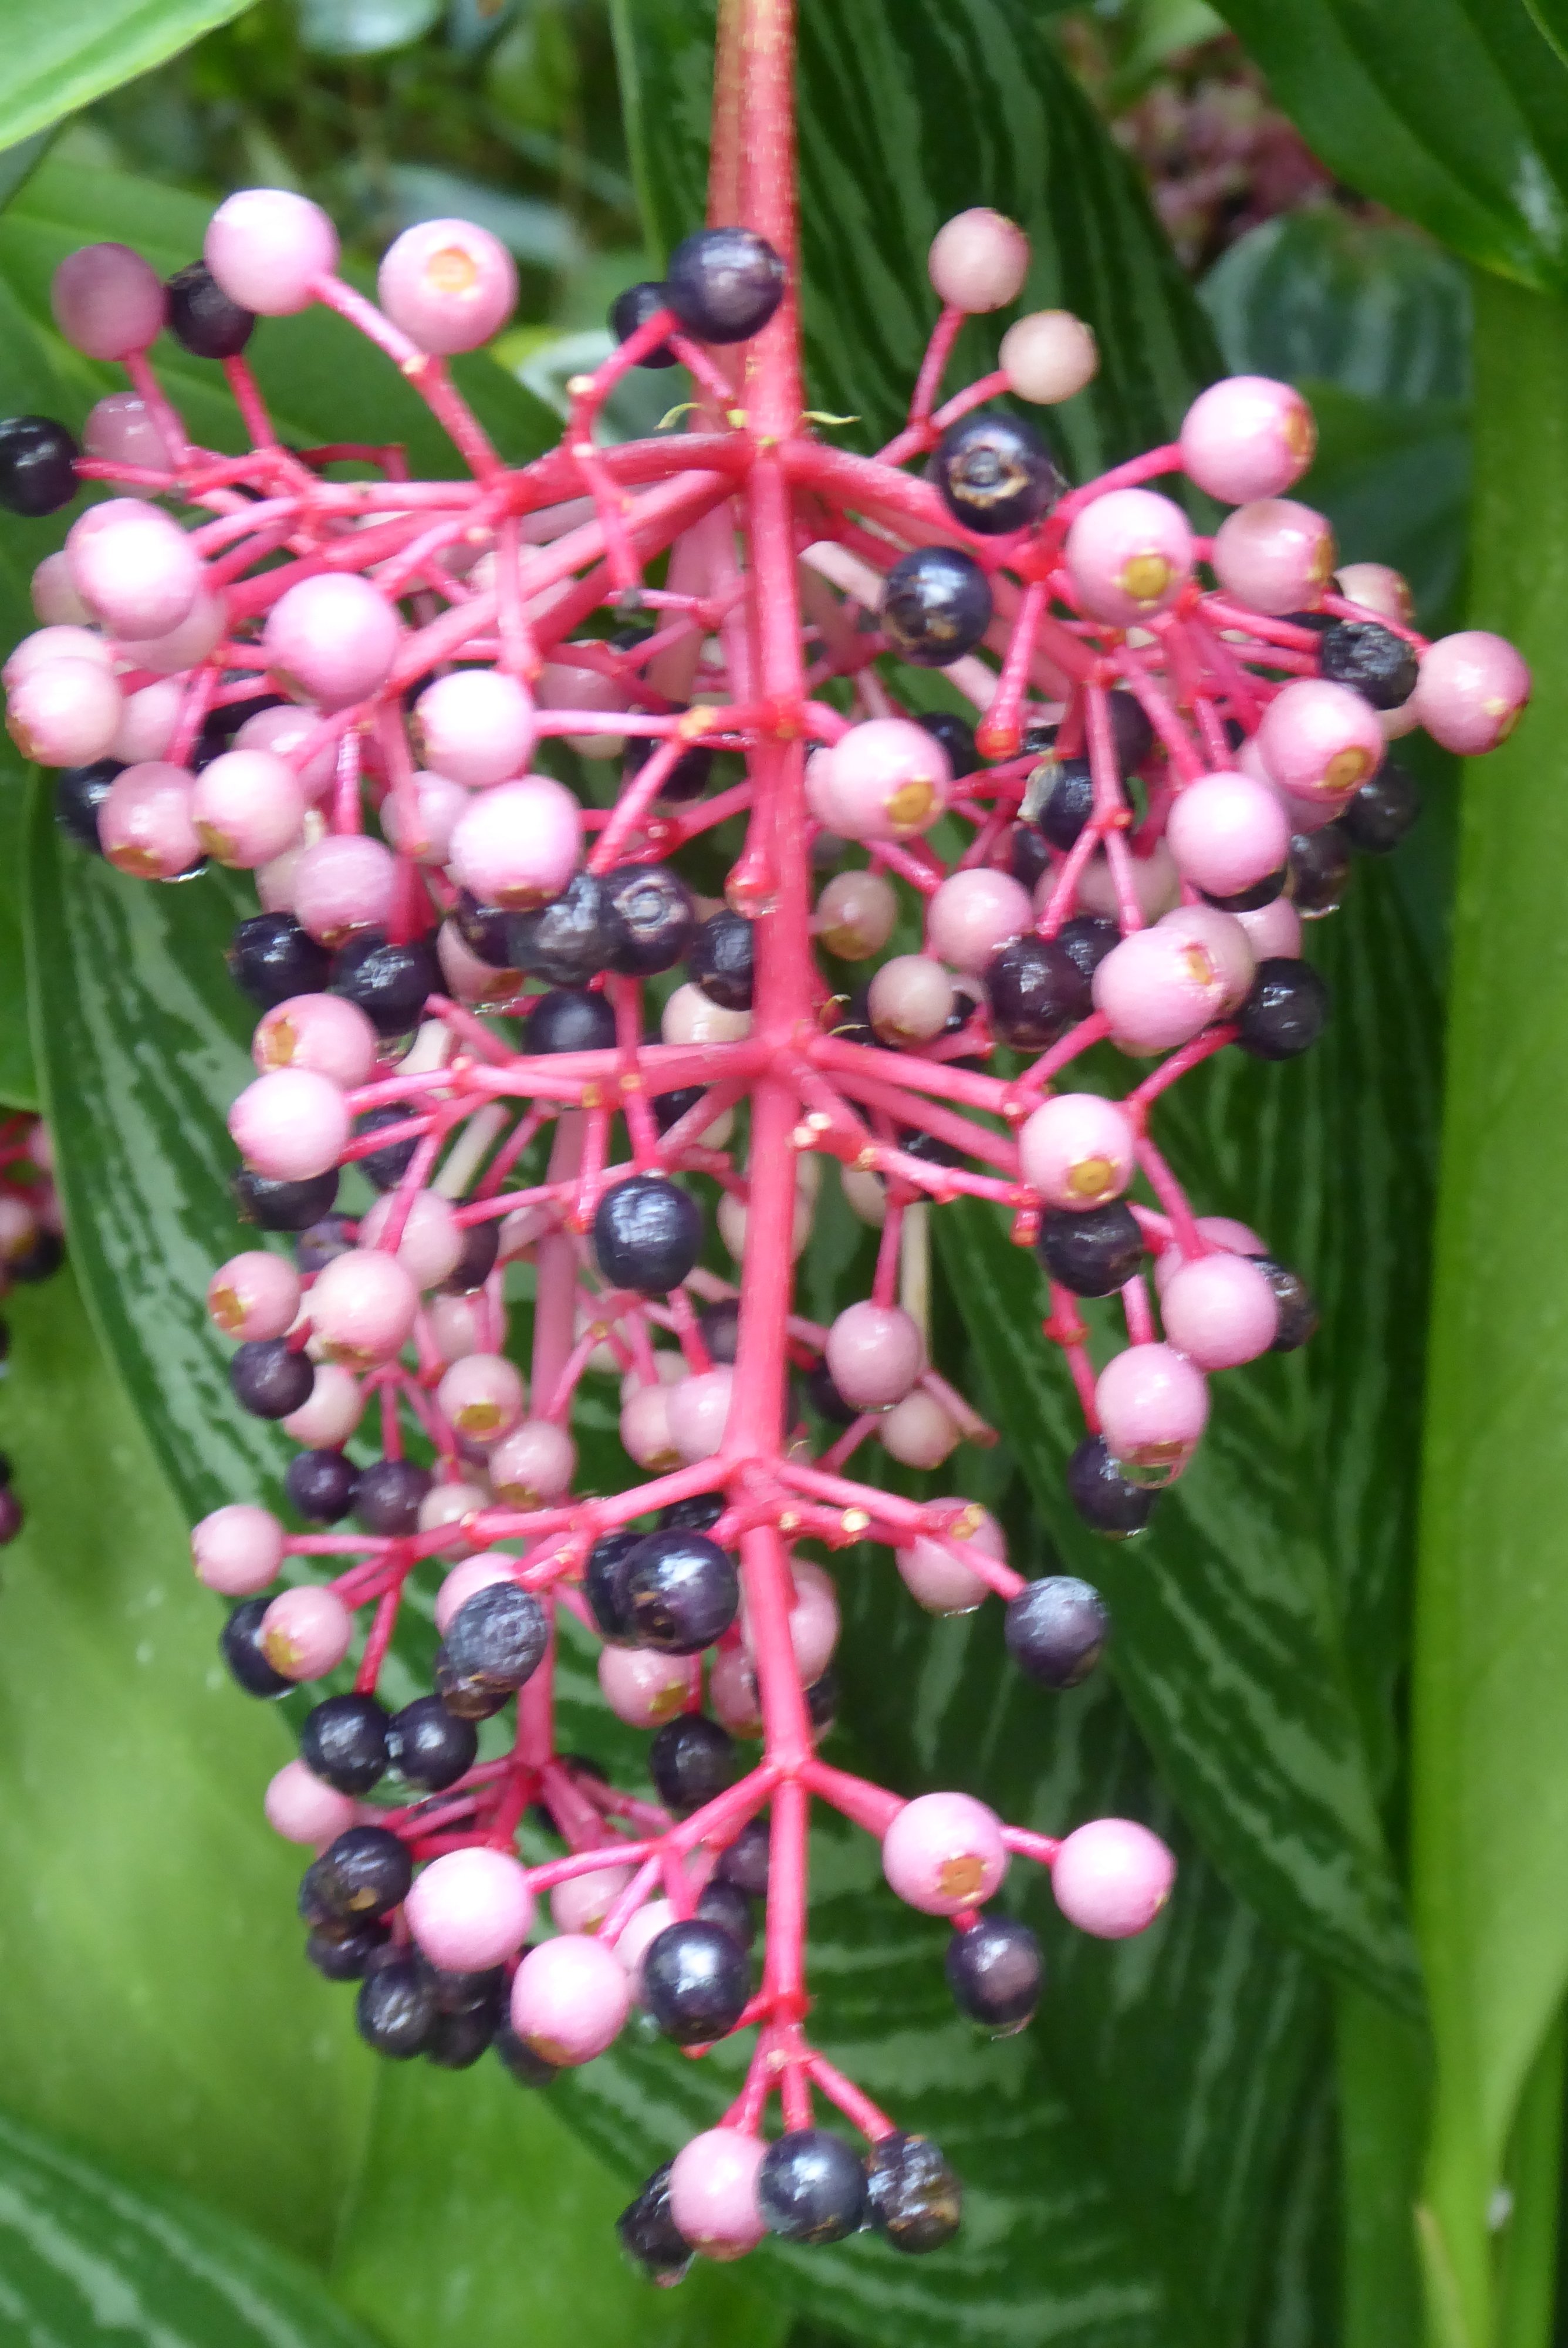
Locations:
(185, 645)
(533, 1466)
(978, 261)
(519, 844)
(943, 1852)
(971, 914)
(482, 1397)
(149, 721)
(571, 1999)
(344, 882)
(891, 780)
(238, 1549)
(644, 1689)
(247, 808)
(330, 1412)
(583, 1901)
(1220, 936)
(46, 645)
(917, 1431)
(909, 1000)
(1156, 885)
(303, 1808)
(731, 1222)
(134, 567)
(561, 685)
(700, 1411)
(1248, 436)
(254, 1295)
(55, 598)
(1471, 692)
(476, 726)
(645, 1433)
(1048, 356)
(122, 430)
(1078, 1150)
(1272, 930)
(285, 731)
(306, 1632)
(331, 639)
(470, 1910)
(65, 713)
(732, 1693)
(362, 1306)
(820, 796)
(1157, 990)
(1220, 1310)
(941, 1582)
(419, 820)
(1153, 1407)
(445, 1507)
(1320, 741)
(1129, 553)
(814, 1619)
(1275, 555)
(874, 1353)
(450, 285)
(1228, 833)
(1378, 589)
(323, 1032)
(635, 1939)
(856, 914)
(432, 1242)
(267, 247)
(689, 1017)
(290, 1125)
(144, 823)
(486, 1571)
(108, 301)
(1111, 1877)
(466, 977)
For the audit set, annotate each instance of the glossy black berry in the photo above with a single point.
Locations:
(271, 958)
(320, 1485)
(485, 930)
(39, 1261)
(386, 1167)
(956, 735)
(1319, 870)
(601, 1586)
(810, 2188)
(268, 1379)
(724, 284)
(1376, 817)
(569, 940)
(202, 318)
(821, 1701)
(568, 1019)
(1286, 1010)
(744, 1863)
(722, 960)
(915, 2198)
(688, 778)
(463, 1992)
(657, 918)
(466, 1694)
(389, 982)
(1036, 991)
(1094, 1252)
(79, 793)
(691, 1759)
(481, 1246)
(38, 465)
(1130, 730)
(1029, 858)
(647, 1235)
(528, 2069)
(648, 2234)
(721, 1330)
(276, 1206)
(456, 2041)
(220, 726)
(695, 1982)
(1056, 1628)
(995, 1972)
(1102, 1493)
(994, 473)
(1250, 901)
(425, 1744)
(1372, 660)
(1086, 940)
(678, 1592)
(322, 1243)
(633, 309)
(347, 1957)
(1295, 1304)
(697, 1515)
(344, 1740)
(935, 605)
(387, 1496)
(724, 1905)
(825, 1397)
(498, 1636)
(395, 2011)
(1068, 803)
(669, 1108)
(364, 1873)
(239, 1643)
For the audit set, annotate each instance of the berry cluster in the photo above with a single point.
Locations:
(31, 1248)
(498, 994)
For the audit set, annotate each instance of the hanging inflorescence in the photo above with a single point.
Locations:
(502, 1001)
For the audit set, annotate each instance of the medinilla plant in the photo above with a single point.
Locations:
(729, 914)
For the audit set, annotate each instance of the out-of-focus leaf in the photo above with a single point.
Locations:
(60, 57)
(363, 28)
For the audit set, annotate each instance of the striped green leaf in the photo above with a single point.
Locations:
(60, 58)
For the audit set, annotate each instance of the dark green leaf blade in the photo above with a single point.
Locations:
(60, 58)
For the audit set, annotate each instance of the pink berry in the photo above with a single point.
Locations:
(1384, 592)
(814, 1619)
(187, 645)
(519, 844)
(1111, 1877)
(145, 826)
(1129, 553)
(909, 1000)
(267, 247)
(1247, 437)
(713, 2192)
(634, 1942)
(238, 1549)
(1228, 833)
(134, 567)
(431, 1244)
(874, 1353)
(943, 1852)
(570, 1998)
(254, 1295)
(1153, 1407)
(476, 726)
(55, 598)
(303, 1808)
(247, 808)
(108, 301)
(362, 1306)
(689, 1017)
(1471, 691)
(1156, 885)
(941, 1582)
(583, 1901)
(533, 1466)
(65, 713)
(1220, 1310)
(1048, 356)
(450, 285)
(1157, 990)
(329, 1412)
(1320, 741)
(460, 1325)
(917, 1431)
(331, 639)
(46, 645)
(465, 975)
(122, 430)
(323, 1032)
(561, 685)
(890, 780)
(1272, 930)
(482, 1397)
(290, 1125)
(306, 1632)
(644, 1689)
(445, 1509)
(1223, 939)
(973, 913)
(699, 1413)
(732, 1693)
(469, 1909)
(978, 261)
(418, 818)
(645, 1433)
(344, 882)
(286, 731)
(856, 914)
(1078, 1150)
(466, 1580)
(1275, 555)
(149, 721)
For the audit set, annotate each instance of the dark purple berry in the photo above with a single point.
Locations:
(320, 1485)
(387, 1493)
(320, 1243)
(744, 1862)
(723, 1905)
(647, 1235)
(1087, 938)
(1286, 1010)
(528, 2069)
(1102, 1496)
(463, 1992)
(1056, 1628)
(568, 1019)
(428, 1746)
(481, 1246)
(1130, 730)
(79, 793)
(994, 473)
(825, 1397)
(955, 734)
(915, 2198)
(600, 1585)
(466, 1696)
(1376, 817)
(935, 605)
(202, 318)
(822, 1700)
(1372, 660)
(268, 1379)
(678, 1593)
(648, 2234)
(276, 1206)
(633, 309)
(366, 1872)
(485, 930)
(272, 957)
(695, 1982)
(655, 918)
(1297, 1307)
(386, 1167)
(1069, 803)
(723, 959)
(724, 284)
(690, 1760)
(572, 939)
(700, 1514)
(995, 1972)
(456, 2041)
(810, 2188)
(390, 984)
(1250, 901)
(688, 778)
(1319, 870)
(497, 1637)
(669, 1108)
(721, 1329)
(1037, 992)
(1094, 1252)
(40, 1261)
(1029, 858)
(239, 1643)
(37, 466)
(344, 1740)
(347, 1958)
(395, 2011)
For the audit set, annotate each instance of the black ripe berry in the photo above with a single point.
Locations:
(600, 1585)
(955, 734)
(995, 1972)
(1094, 1252)
(569, 940)
(1086, 940)
(268, 1379)
(722, 960)
(1036, 991)
(700, 1514)
(464, 1993)
(481, 1246)
(1130, 730)
(428, 1746)
(669, 1108)
(1249, 900)
(1318, 869)
(1286, 1010)
(322, 1243)
(344, 1740)
(389, 982)
(647, 1235)
(202, 317)
(528, 2069)
(1372, 660)
(465, 1694)
(568, 1019)
(1102, 1496)
(346, 1957)
(721, 1329)
(648, 2234)
(395, 2011)
(810, 2188)
(1068, 803)
(497, 1637)
(994, 473)
(485, 930)
(825, 1397)
(822, 1699)
(1029, 858)
(1376, 817)
(690, 1760)
(387, 1496)
(721, 1904)
(724, 284)
(38, 465)
(745, 1861)
(79, 793)
(239, 1643)
(1297, 1305)
(915, 2198)
(385, 1167)
(695, 1982)
(275, 1206)
(39, 1261)
(272, 957)
(935, 605)
(678, 1592)
(633, 309)
(688, 778)
(364, 1873)
(456, 2041)
(655, 919)
(320, 1485)
(1056, 1628)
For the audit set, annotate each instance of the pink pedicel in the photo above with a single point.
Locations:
(107, 302)
(570, 1998)
(302, 1808)
(1471, 691)
(940, 1580)
(254, 1295)
(450, 285)
(814, 1619)
(1130, 554)
(290, 1124)
(238, 1549)
(714, 2193)
(476, 726)
(306, 1632)
(943, 1852)
(1320, 741)
(1153, 1407)
(974, 914)
(1247, 437)
(362, 1308)
(1111, 1877)
(483, 1397)
(247, 808)
(1219, 1311)
(145, 824)
(519, 844)
(471, 1909)
(323, 1032)
(978, 261)
(890, 780)
(268, 247)
(875, 1354)
(1078, 1150)
(1276, 555)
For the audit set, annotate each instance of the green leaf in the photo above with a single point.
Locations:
(1454, 112)
(1552, 18)
(60, 58)
(84, 2253)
